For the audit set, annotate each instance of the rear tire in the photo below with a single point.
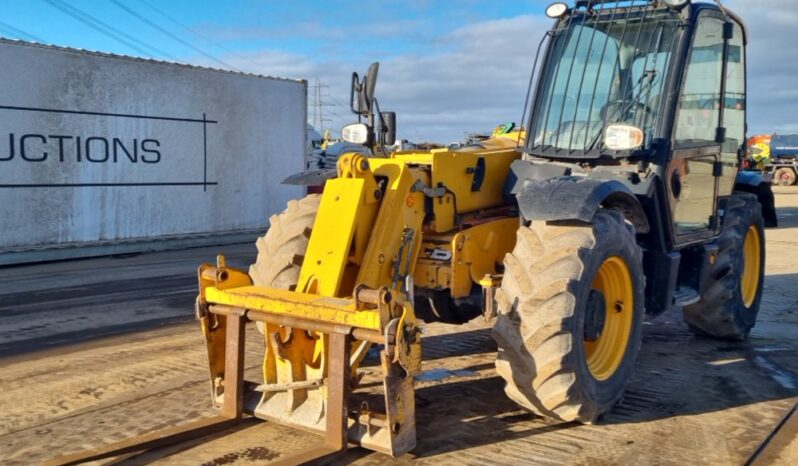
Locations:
(785, 176)
(730, 303)
(550, 279)
(282, 249)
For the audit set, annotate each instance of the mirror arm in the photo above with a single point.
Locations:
(355, 82)
(376, 115)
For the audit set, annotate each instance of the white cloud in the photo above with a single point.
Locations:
(772, 63)
(469, 80)
(475, 77)
(314, 30)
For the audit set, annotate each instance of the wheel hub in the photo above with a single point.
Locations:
(749, 278)
(595, 315)
(612, 287)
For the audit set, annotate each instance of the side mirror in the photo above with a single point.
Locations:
(363, 90)
(389, 128)
(371, 82)
(356, 133)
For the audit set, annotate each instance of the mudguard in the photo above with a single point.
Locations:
(578, 198)
(755, 183)
(314, 177)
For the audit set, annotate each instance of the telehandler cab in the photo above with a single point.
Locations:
(621, 199)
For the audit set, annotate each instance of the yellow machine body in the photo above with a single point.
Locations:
(436, 220)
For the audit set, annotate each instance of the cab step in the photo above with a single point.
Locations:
(684, 296)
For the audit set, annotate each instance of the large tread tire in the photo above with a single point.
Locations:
(542, 306)
(282, 250)
(721, 311)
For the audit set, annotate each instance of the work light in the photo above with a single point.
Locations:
(675, 3)
(623, 137)
(356, 133)
(556, 10)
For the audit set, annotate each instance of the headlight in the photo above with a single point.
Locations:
(556, 10)
(356, 133)
(623, 137)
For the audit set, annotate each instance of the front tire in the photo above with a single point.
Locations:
(560, 282)
(730, 303)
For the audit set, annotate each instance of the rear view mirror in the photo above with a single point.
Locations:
(363, 90)
(371, 82)
(389, 128)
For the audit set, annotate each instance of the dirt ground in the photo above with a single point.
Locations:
(98, 350)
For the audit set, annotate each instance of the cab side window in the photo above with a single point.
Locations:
(734, 111)
(692, 177)
(699, 107)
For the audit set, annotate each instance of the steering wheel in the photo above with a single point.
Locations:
(611, 111)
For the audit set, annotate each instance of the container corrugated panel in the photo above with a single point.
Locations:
(96, 148)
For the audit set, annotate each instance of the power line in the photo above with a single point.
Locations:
(187, 28)
(168, 33)
(107, 29)
(20, 33)
(319, 115)
(339, 104)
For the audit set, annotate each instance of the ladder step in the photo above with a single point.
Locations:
(685, 297)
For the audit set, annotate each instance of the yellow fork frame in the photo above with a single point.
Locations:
(351, 293)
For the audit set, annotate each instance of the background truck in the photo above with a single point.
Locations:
(784, 159)
(776, 156)
(104, 154)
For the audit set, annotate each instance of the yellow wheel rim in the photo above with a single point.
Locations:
(752, 262)
(605, 354)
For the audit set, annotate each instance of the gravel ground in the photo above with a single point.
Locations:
(99, 350)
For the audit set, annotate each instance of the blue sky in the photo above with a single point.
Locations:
(446, 67)
(250, 25)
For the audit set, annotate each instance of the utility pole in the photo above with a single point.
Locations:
(320, 91)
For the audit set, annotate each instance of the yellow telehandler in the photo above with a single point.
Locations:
(620, 200)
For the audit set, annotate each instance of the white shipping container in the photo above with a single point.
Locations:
(100, 153)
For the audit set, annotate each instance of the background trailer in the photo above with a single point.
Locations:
(104, 154)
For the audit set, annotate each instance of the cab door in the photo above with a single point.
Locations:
(699, 161)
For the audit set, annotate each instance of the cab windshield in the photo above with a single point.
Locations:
(607, 65)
